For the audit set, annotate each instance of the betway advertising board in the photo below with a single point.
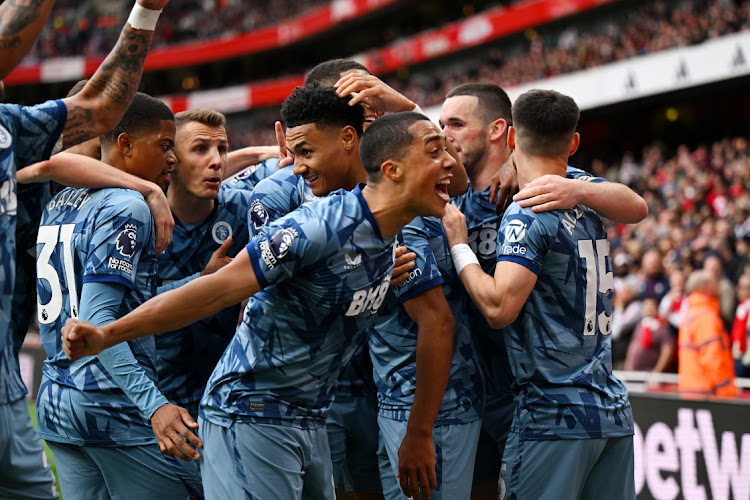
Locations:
(692, 450)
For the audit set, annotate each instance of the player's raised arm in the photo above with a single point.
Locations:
(100, 105)
(21, 21)
(168, 311)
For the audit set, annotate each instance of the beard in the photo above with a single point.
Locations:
(474, 158)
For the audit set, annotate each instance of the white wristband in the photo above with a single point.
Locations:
(462, 256)
(142, 18)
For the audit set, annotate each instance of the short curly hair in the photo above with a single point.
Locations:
(320, 105)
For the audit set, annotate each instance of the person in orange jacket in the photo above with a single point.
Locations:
(705, 362)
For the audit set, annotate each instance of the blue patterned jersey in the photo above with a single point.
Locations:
(325, 271)
(559, 347)
(92, 236)
(186, 357)
(483, 223)
(27, 135)
(393, 336)
(275, 197)
(252, 175)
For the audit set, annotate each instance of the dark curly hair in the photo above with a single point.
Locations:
(320, 105)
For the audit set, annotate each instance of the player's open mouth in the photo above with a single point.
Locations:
(370, 118)
(441, 188)
(311, 180)
(214, 181)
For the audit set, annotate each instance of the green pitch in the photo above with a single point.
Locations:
(32, 413)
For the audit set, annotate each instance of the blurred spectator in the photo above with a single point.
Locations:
(653, 281)
(626, 313)
(652, 346)
(670, 307)
(705, 359)
(727, 299)
(740, 331)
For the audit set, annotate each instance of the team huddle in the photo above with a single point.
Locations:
(368, 310)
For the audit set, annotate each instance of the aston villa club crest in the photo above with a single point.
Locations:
(221, 231)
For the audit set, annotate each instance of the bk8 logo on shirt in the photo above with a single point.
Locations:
(371, 299)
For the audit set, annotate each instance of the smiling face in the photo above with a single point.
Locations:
(151, 153)
(463, 126)
(324, 157)
(427, 171)
(201, 159)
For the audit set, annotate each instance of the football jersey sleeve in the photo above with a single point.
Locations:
(122, 232)
(273, 198)
(522, 238)
(99, 305)
(425, 273)
(252, 175)
(582, 175)
(287, 246)
(31, 131)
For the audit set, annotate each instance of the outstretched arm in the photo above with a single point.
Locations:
(416, 455)
(83, 172)
(100, 302)
(169, 311)
(100, 105)
(21, 21)
(500, 297)
(612, 200)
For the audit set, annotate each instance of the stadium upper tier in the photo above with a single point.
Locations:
(72, 34)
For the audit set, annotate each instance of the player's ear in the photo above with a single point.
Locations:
(511, 138)
(349, 139)
(124, 144)
(393, 170)
(574, 143)
(497, 129)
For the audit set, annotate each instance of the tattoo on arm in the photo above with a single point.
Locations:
(21, 14)
(112, 87)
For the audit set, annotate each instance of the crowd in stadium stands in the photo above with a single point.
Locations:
(698, 219)
(546, 53)
(91, 27)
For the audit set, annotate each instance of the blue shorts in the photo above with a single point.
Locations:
(24, 471)
(571, 469)
(498, 417)
(92, 473)
(455, 449)
(353, 438)
(250, 460)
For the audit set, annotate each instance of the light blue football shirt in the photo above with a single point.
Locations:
(325, 269)
(95, 236)
(186, 357)
(559, 347)
(27, 136)
(393, 337)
